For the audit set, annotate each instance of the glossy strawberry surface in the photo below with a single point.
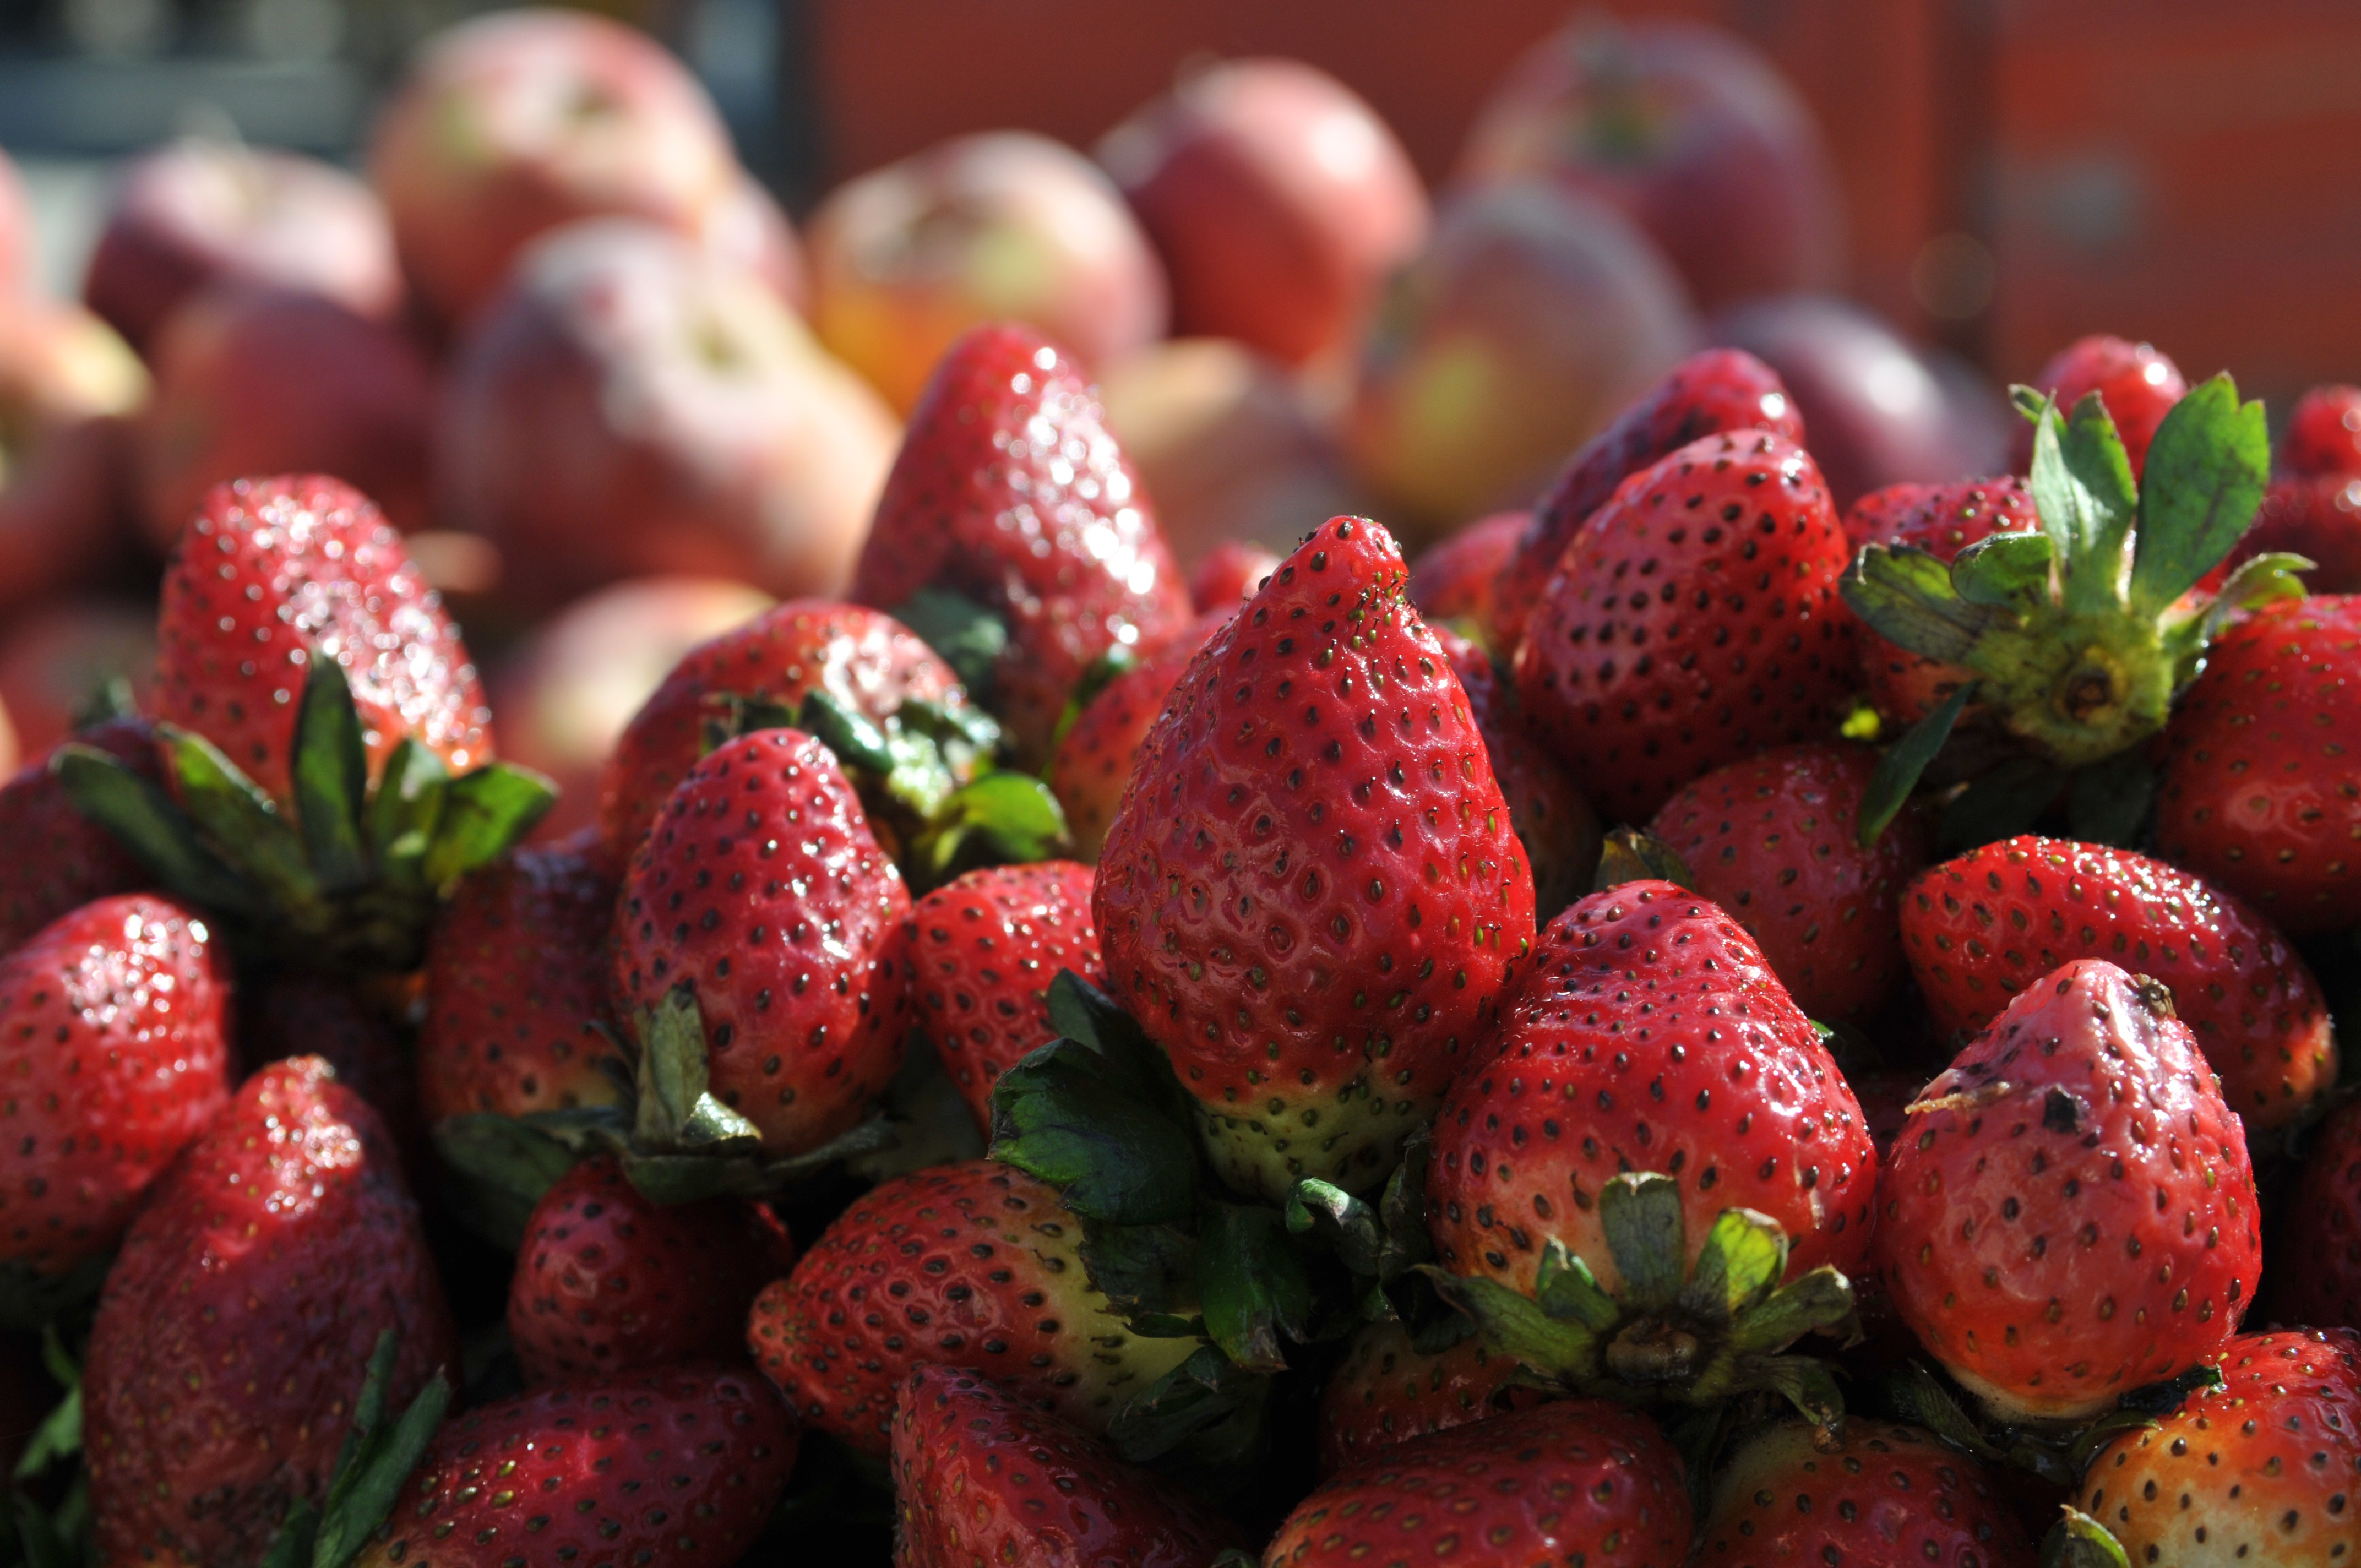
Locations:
(1387, 1391)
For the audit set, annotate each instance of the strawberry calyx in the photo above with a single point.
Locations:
(2078, 1540)
(376, 1457)
(350, 879)
(1695, 1336)
(1627, 854)
(2057, 1452)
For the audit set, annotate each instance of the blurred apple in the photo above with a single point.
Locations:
(59, 657)
(566, 693)
(747, 229)
(16, 233)
(1225, 443)
(632, 405)
(982, 228)
(199, 212)
(268, 381)
(1535, 313)
(516, 121)
(68, 383)
(1689, 130)
(1278, 199)
(1877, 411)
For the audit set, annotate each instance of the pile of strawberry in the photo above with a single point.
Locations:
(1056, 1068)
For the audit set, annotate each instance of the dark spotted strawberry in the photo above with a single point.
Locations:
(1386, 1391)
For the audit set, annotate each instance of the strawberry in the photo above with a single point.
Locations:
(1312, 897)
(1011, 492)
(273, 573)
(2257, 792)
(234, 1330)
(1693, 619)
(763, 892)
(294, 1013)
(871, 663)
(2263, 1470)
(1775, 839)
(972, 1266)
(1579, 1482)
(1094, 759)
(1981, 928)
(60, 860)
(1228, 576)
(1386, 1391)
(976, 959)
(1941, 519)
(2322, 1225)
(115, 1055)
(980, 1477)
(1708, 393)
(607, 1282)
(516, 986)
(2070, 1214)
(1890, 1495)
(1553, 822)
(1456, 580)
(681, 1466)
(2317, 517)
(2138, 384)
(2323, 433)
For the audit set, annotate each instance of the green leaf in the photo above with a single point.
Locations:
(970, 638)
(1567, 1292)
(2000, 805)
(1744, 1254)
(2078, 1540)
(1905, 762)
(1204, 1411)
(39, 1540)
(1005, 818)
(1626, 854)
(1821, 1299)
(1101, 673)
(1906, 595)
(1149, 1274)
(1346, 1225)
(2107, 802)
(1401, 1209)
(1811, 1388)
(1077, 1119)
(508, 1162)
(676, 1115)
(2262, 579)
(1253, 1284)
(2082, 485)
(378, 1459)
(1914, 1394)
(483, 813)
(142, 816)
(243, 821)
(59, 1437)
(856, 738)
(331, 777)
(2204, 478)
(1640, 1215)
(2005, 570)
(1515, 1325)
(404, 811)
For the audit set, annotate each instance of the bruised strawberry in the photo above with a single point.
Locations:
(869, 662)
(1941, 519)
(980, 1477)
(977, 957)
(1555, 823)
(57, 858)
(273, 573)
(1093, 764)
(2323, 433)
(1456, 581)
(2321, 1226)
(1386, 1391)
(1694, 621)
(2070, 1214)
(2138, 384)
(761, 890)
(1228, 576)
(1312, 897)
(1981, 928)
(1011, 492)
(972, 1266)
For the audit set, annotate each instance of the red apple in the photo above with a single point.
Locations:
(67, 385)
(982, 228)
(1278, 199)
(516, 121)
(268, 381)
(632, 405)
(198, 213)
(16, 233)
(566, 691)
(60, 656)
(1534, 314)
(1689, 130)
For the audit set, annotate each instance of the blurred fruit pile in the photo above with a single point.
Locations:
(1180, 864)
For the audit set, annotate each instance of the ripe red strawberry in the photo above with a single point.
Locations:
(1775, 839)
(2070, 1214)
(1582, 1481)
(1458, 580)
(516, 984)
(2138, 384)
(681, 1466)
(236, 1327)
(1890, 1495)
(870, 662)
(116, 1054)
(1983, 927)
(608, 1281)
(1941, 519)
(2258, 793)
(1555, 823)
(1312, 897)
(977, 956)
(980, 1477)
(2317, 517)
(1228, 576)
(2323, 433)
(1011, 492)
(2321, 1226)
(272, 573)
(1650, 1036)
(1706, 394)
(2265, 1469)
(57, 858)
(1093, 764)
(972, 1265)
(1385, 1391)
(295, 1012)
(1695, 619)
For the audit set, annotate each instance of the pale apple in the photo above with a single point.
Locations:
(68, 384)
